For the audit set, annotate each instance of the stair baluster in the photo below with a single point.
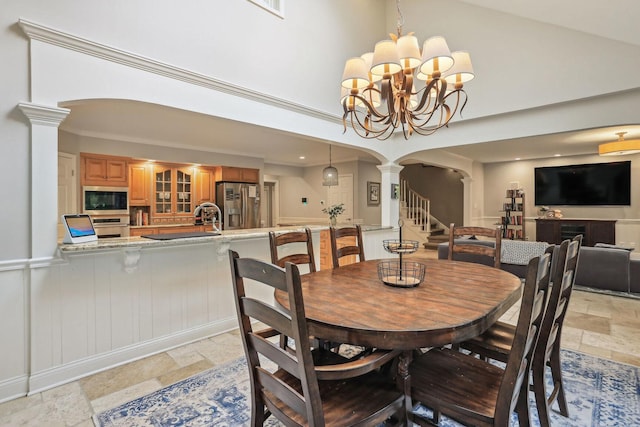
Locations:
(418, 208)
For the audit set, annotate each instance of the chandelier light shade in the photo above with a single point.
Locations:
(398, 87)
(329, 174)
(620, 147)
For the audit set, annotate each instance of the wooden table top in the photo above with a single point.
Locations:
(455, 301)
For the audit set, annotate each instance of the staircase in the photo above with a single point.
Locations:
(419, 224)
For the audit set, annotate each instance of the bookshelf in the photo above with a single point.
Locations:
(512, 219)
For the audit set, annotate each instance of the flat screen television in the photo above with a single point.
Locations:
(595, 184)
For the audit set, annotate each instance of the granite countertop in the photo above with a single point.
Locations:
(224, 236)
(166, 225)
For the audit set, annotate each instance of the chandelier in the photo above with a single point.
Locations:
(396, 86)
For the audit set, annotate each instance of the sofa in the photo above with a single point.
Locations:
(608, 267)
(516, 265)
(601, 267)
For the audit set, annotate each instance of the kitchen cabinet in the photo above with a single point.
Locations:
(173, 191)
(142, 231)
(204, 185)
(326, 260)
(187, 228)
(139, 184)
(180, 229)
(96, 169)
(233, 174)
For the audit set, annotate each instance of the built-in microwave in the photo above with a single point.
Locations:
(105, 200)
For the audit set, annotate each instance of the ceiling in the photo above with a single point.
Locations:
(144, 123)
(157, 125)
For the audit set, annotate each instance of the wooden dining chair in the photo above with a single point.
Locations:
(496, 342)
(285, 241)
(305, 387)
(292, 239)
(346, 241)
(457, 245)
(547, 351)
(473, 391)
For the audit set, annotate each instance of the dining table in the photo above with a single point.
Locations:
(454, 302)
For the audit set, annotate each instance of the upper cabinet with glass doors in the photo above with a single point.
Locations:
(173, 191)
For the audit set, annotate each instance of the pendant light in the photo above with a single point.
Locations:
(329, 174)
(620, 147)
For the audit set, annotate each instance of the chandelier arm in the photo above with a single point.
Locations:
(380, 117)
(407, 83)
(465, 100)
(427, 106)
(357, 124)
(443, 91)
(388, 96)
(458, 93)
(426, 99)
(421, 128)
(370, 134)
(371, 107)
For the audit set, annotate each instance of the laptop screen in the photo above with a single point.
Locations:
(79, 225)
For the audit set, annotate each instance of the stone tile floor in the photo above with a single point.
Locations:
(602, 325)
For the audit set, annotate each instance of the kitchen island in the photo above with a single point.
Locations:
(105, 303)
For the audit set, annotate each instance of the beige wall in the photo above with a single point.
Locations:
(442, 186)
(497, 177)
(308, 183)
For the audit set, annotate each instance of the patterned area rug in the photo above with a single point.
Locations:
(599, 393)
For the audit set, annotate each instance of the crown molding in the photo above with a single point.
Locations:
(42, 114)
(68, 41)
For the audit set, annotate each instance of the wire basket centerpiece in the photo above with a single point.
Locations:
(399, 273)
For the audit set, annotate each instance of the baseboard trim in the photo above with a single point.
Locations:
(14, 388)
(607, 292)
(63, 374)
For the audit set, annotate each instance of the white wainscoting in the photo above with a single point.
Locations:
(14, 334)
(91, 311)
(89, 314)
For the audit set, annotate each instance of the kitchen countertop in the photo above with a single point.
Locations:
(167, 225)
(138, 242)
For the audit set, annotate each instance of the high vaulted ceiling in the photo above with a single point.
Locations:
(613, 20)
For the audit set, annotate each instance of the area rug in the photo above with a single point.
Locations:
(599, 393)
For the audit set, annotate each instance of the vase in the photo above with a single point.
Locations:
(333, 221)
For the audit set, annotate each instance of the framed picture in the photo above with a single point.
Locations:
(373, 193)
(395, 191)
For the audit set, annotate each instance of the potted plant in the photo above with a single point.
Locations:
(333, 211)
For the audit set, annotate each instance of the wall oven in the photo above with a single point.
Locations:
(111, 225)
(105, 200)
(108, 208)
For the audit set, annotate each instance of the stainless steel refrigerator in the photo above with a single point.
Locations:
(240, 205)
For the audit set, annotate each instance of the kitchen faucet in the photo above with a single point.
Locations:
(209, 211)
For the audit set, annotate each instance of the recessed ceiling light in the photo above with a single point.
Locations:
(517, 158)
(301, 157)
(557, 155)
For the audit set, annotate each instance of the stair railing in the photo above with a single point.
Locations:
(418, 207)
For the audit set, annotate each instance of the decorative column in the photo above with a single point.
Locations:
(390, 208)
(467, 201)
(44, 176)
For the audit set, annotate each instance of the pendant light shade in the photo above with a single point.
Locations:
(329, 174)
(620, 147)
